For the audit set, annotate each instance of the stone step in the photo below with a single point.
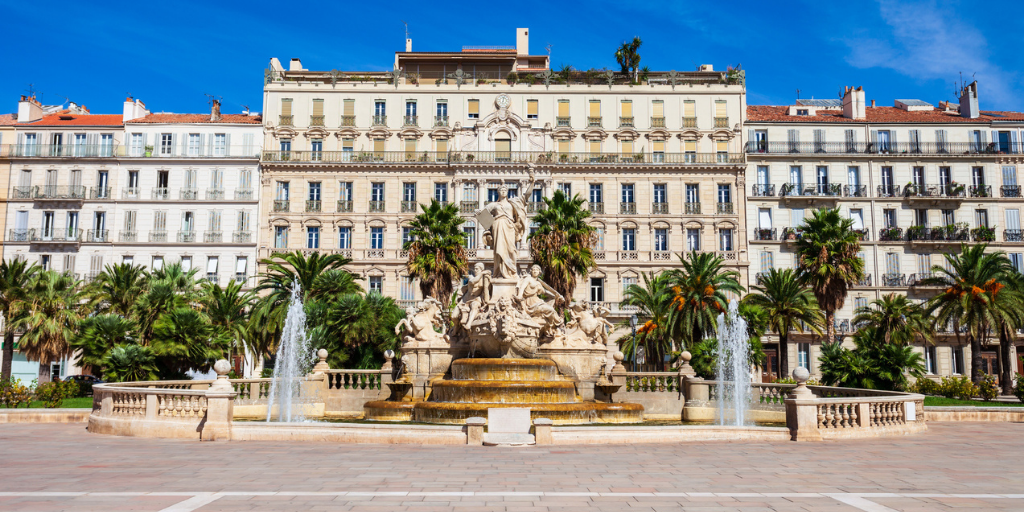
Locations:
(508, 439)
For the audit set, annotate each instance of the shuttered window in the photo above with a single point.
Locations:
(350, 108)
(595, 146)
(563, 108)
(474, 108)
(689, 108)
(658, 108)
(531, 109)
(659, 146)
(627, 147)
(563, 146)
(378, 145)
(318, 107)
(720, 110)
(442, 145)
(410, 145)
(689, 146)
(627, 108)
(286, 107)
(346, 144)
(595, 108)
(722, 146)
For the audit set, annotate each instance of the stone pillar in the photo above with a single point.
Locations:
(698, 396)
(220, 404)
(475, 430)
(542, 431)
(802, 410)
(322, 366)
(152, 403)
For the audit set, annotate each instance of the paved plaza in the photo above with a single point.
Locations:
(963, 466)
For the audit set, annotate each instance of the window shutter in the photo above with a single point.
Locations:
(1013, 141)
(659, 108)
(720, 109)
(892, 138)
(851, 137)
(874, 136)
(689, 146)
(563, 108)
(350, 108)
(378, 145)
(627, 108)
(410, 145)
(819, 136)
(689, 108)
(595, 146)
(474, 107)
(442, 145)
(791, 136)
(722, 146)
(206, 142)
(347, 143)
(995, 136)
(627, 147)
(563, 146)
(531, 107)
(247, 140)
(1013, 219)
(659, 146)
(595, 108)
(318, 107)
(286, 106)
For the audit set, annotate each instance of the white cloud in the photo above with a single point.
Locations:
(927, 42)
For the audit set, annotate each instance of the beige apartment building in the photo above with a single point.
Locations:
(917, 180)
(349, 157)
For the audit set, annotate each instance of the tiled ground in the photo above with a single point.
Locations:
(966, 466)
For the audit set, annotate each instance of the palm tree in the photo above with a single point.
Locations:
(184, 339)
(51, 317)
(896, 320)
(98, 335)
(126, 363)
(828, 261)
(628, 56)
(316, 275)
(971, 286)
(119, 287)
(699, 295)
(1010, 303)
(353, 327)
(15, 277)
(437, 253)
(562, 244)
(788, 306)
(653, 301)
(228, 309)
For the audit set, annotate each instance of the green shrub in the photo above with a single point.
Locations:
(1018, 388)
(987, 389)
(52, 394)
(13, 393)
(958, 387)
(925, 387)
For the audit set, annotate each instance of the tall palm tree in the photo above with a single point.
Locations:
(126, 363)
(15, 277)
(653, 301)
(316, 275)
(51, 318)
(98, 335)
(437, 253)
(228, 310)
(788, 306)
(896, 320)
(184, 339)
(628, 56)
(562, 244)
(699, 295)
(1010, 318)
(828, 262)
(971, 287)
(119, 287)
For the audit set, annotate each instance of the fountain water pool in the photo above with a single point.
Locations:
(733, 368)
(292, 363)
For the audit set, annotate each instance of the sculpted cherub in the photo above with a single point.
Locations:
(420, 323)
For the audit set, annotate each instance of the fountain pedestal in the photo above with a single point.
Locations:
(422, 365)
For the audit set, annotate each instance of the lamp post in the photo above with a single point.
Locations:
(632, 324)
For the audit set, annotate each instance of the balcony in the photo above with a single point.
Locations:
(691, 208)
(721, 122)
(892, 234)
(594, 122)
(131, 194)
(190, 151)
(97, 236)
(791, 234)
(440, 121)
(915, 280)
(934, 193)
(60, 192)
(469, 206)
(344, 206)
(285, 121)
(1013, 235)
(348, 120)
(213, 237)
(562, 121)
(659, 208)
(814, 190)
(215, 194)
(313, 206)
(377, 206)
(863, 235)
(211, 277)
(241, 237)
(316, 121)
(596, 208)
(374, 254)
(661, 255)
(188, 194)
(979, 191)
(20, 235)
(282, 205)
(21, 193)
(1010, 190)
(432, 158)
(380, 120)
(902, 149)
(161, 193)
(407, 207)
(889, 191)
(657, 122)
(625, 122)
(128, 236)
(894, 280)
(953, 233)
(99, 193)
(983, 234)
(764, 234)
(158, 236)
(245, 194)
(60, 235)
(691, 122)
(411, 121)
(627, 208)
(762, 190)
(725, 209)
(628, 256)
(864, 283)
(186, 237)
(855, 190)
(535, 206)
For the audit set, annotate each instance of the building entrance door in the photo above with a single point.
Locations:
(769, 372)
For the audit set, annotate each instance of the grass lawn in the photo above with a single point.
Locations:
(68, 403)
(942, 401)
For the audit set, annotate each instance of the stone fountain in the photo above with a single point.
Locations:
(509, 347)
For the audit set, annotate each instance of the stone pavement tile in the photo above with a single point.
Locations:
(949, 504)
(87, 503)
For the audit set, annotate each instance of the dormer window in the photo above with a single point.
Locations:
(801, 112)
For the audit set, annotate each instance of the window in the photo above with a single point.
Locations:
(921, 217)
(1009, 177)
(286, 146)
(917, 177)
(692, 239)
(956, 360)
(978, 176)
(599, 242)
(186, 263)
(166, 143)
(930, 360)
(314, 191)
(892, 263)
(344, 237)
(658, 151)
(803, 355)
(629, 239)
(801, 111)
(376, 238)
(764, 218)
(945, 176)
(889, 217)
(469, 230)
(376, 284)
(796, 176)
(406, 236)
(981, 218)
(627, 193)
(344, 190)
(660, 193)
(725, 239)
(767, 261)
(376, 192)
(316, 147)
(796, 216)
(441, 192)
(566, 188)
(469, 193)
(407, 290)
(660, 239)
(692, 194)
(596, 289)
(409, 192)
(822, 175)
(280, 237)
(410, 108)
(492, 194)
(282, 191)
(531, 109)
(884, 141)
(473, 109)
(948, 217)
(857, 216)
(158, 263)
(724, 194)
(312, 237)
(379, 108)
(241, 268)
(763, 177)
(442, 110)
(137, 145)
(194, 144)
(596, 193)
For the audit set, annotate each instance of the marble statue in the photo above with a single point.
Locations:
(529, 290)
(591, 321)
(505, 222)
(421, 322)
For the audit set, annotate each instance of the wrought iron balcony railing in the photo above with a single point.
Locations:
(188, 194)
(213, 237)
(97, 236)
(892, 234)
(245, 194)
(348, 120)
(316, 120)
(811, 190)
(725, 209)
(855, 190)
(158, 236)
(762, 190)
(659, 208)
(412, 120)
(469, 206)
(944, 191)
(1010, 190)
(161, 193)
(60, 192)
(893, 280)
(594, 122)
(535, 206)
(979, 191)
(313, 205)
(20, 235)
(764, 234)
(889, 191)
(409, 206)
(626, 122)
(21, 193)
(215, 194)
(380, 120)
(128, 236)
(285, 120)
(241, 237)
(344, 206)
(99, 193)
(910, 149)
(657, 122)
(691, 208)
(689, 122)
(596, 208)
(562, 121)
(282, 205)
(376, 206)
(440, 121)
(627, 208)
(721, 122)
(186, 237)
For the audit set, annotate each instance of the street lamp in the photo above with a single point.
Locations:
(632, 324)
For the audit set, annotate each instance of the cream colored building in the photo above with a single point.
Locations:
(350, 156)
(917, 180)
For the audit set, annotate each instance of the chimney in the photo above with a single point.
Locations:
(295, 65)
(872, 103)
(969, 101)
(133, 109)
(29, 110)
(408, 45)
(215, 111)
(522, 41)
(853, 103)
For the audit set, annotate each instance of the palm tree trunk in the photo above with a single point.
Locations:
(830, 326)
(1005, 362)
(783, 355)
(975, 357)
(5, 371)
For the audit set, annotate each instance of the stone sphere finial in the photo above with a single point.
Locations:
(686, 356)
(389, 354)
(800, 374)
(322, 354)
(618, 356)
(222, 367)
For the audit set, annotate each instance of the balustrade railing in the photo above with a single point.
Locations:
(724, 208)
(517, 157)
(763, 190)
(344, 206)
(1010, 191)
(653, 382)
(691, 208)
(353, 379)
(909, 149)
(627, 208)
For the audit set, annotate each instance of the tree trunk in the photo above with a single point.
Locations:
(975, 357)
(830, 326)
(1005, 361)
(784, 355)
(5, 371)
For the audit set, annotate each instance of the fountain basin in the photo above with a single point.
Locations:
(503, 392)
(492, 369)
(561, 414)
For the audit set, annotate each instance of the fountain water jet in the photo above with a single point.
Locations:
(733, 368)
(292, 362)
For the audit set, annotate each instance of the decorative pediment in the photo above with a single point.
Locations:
(377, 223)
(314, 222)
(658, 134)
(690, 134)
(722, 134)
(410, 132)
(378, 132)
(374, 272)
(280, 221)
(627, 224)
(441, 132)
(693, 224)
(627, 134)
(725, 224)
(343, 223)
(598, 273)
(315, 133)
(629, 273)
(501, 132)
(347, 133)
(660, 224)
(595, 134)
(563, 133)
(283, 132)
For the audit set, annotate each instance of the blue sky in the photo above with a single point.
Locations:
(171, 54)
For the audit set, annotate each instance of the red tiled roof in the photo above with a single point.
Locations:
(65, 118)
(198, 118)
(780, 114)
(8, 119)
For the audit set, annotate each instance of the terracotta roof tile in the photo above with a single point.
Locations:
(8, 119)
(65, 118)
(780, 114)
(197, 118)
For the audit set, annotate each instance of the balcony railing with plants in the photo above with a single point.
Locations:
(862, 234)
(21, 192)
(691, 208)
(893, 280)
(60, 192)
(891, 148)
(515, 157)
(627, 208)
(892, 234)
(762, 190)
(1010, 190)
(979, 191)
(724, 208)
(889, 191)
(597, 208)
(855, 190)
(811, 190)
(764, 234)
(659, 208)
(952, 233)
(984, 234)
(791, 234)
(951, 190)
(344, 206)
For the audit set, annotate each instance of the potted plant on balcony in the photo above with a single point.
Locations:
(910, 189)
(955, 189)
(470, 157)
(149, 151)
(984, 234)
(890, 234)
(915, 233)
(563, 158)
(512, 78)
